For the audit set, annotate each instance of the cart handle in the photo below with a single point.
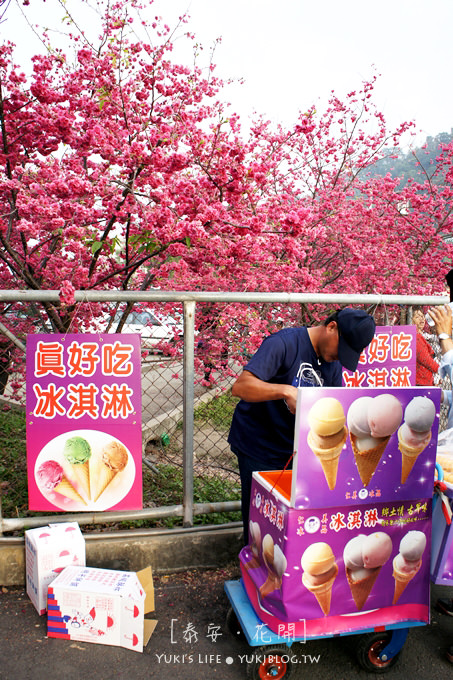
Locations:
(440, 478)
(440, 472)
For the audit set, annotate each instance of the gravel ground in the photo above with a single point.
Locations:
(192, 641)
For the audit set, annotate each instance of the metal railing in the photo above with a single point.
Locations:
(182, 416)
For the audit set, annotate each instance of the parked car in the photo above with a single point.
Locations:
(152, 328)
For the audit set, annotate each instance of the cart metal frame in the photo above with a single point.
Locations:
(258, 633)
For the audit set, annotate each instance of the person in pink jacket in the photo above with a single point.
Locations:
(427, 366)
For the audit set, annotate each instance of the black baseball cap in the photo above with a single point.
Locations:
(356, 330)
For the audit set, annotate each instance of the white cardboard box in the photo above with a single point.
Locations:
(102, 606)
(48, 550)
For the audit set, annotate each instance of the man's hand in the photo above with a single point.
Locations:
(250, 388)
(442, 318)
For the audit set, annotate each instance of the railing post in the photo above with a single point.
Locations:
(188, 407)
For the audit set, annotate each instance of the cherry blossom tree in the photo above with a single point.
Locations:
(123, 169)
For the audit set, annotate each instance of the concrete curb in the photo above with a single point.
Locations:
(166, 550)
(155, 427)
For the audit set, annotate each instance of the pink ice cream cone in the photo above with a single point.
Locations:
(50, 477)
(363, 558)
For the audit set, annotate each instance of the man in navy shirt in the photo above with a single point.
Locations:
(262, 429)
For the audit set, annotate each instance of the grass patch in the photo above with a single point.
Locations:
(218, 411)
(13, 464)
(166, 488)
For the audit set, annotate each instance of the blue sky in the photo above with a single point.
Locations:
(294, 52)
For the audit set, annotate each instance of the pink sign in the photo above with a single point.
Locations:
(388, 361)
(336, 570)
(84, 440)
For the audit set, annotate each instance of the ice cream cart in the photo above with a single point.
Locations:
(340, 544)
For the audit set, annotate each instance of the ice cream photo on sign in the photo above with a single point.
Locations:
(114, 459)
(408, 561)
(77, 453)
(275, 563)
(363, 557)
(327, 435)
(414, 434)
(84, 470)
(371, 422)
(320, 572)
(255, 545)
(51, 479)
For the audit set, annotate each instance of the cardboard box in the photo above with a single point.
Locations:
(272, 572)
(103, 606)
(48, 550)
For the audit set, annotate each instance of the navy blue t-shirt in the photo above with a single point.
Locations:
(265, 430)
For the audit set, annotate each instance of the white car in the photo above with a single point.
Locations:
(152, 329)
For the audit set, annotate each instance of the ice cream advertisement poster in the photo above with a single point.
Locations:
(84, 441)
(356, 445)
(388, 361)
(334, 570)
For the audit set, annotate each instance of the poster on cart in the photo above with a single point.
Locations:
(357, 445)
(335, 570)
(84, 439)
(389, 360)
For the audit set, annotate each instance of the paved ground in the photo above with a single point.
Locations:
(162, 387)
(191, 641)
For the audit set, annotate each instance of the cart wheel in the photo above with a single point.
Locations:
(271, 663)
(233, 625)
(369, 647)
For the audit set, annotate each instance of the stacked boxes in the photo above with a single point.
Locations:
(102, 606)
(48, 550)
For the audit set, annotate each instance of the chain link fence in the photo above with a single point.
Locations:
(188, 474)
(215, 469)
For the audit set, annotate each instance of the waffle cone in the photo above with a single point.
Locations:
(360, 590)
(328, 458)
(368, 460)
(65, 488)
(81, 474)
(401, 581)
(104, 476)
(409, 456)
(323, 592)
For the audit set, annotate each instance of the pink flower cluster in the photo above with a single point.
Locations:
(67, 291)
(122, 169)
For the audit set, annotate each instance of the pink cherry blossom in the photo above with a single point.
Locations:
(123, 169)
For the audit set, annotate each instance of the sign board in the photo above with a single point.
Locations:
(84, 439)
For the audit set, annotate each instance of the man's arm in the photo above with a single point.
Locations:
(442, 318)
(250, 388)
